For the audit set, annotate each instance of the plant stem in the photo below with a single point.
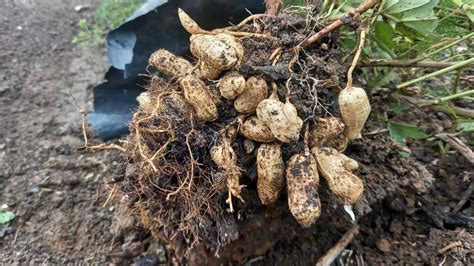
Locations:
(397, 63)
(338, 23)
(456, 81)
(436, 73)
(454, 96)
(445, 47)
(356, 58)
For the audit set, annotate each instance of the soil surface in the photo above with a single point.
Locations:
(59, 194)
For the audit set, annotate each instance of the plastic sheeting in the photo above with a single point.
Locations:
(154, 25)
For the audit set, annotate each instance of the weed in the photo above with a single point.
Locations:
(109, 15)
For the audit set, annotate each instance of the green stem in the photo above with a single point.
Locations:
(436, 73)
(391, 17)
(454, 96)
(456, 81)
(445, 47)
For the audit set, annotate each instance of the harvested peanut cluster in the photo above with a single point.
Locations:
(210, 128)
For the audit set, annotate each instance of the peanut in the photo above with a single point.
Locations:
(355, 109)
(256, 130)
(336, 168)
(281, 118)
(326, 130)
(197, 94)
(270, 172)
(219, 52)
(170, 64)
(302, 180)
(256, 91)
(232, 85)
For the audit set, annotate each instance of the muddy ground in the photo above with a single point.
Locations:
(58, 193)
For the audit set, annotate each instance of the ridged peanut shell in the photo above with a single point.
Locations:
(151, 104)
(169, 64)
(339, 143)
(336, 169)
(224, 155)
(302, 180)
(256, 130)
(216, 50)
(325, 130)
(234, 43)
(207, 71)
(188, 23)
(281, 118)
(197, 94)
(232, 85)
(270, 172)
(355, 109)
(255, 92)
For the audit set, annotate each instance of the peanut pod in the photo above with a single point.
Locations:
(336, 168)
(270, 171)
(218, 52)
(326, 130)
(281, 118)
(256, 130)
(355, 109)
(197, 94)
(255, 92)
(232, 85)
(339, 143)
(224, 156)
(170, 64)
(302, 180)
(188, 23)
(144, 100)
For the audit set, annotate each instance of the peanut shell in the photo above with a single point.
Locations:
(188, 23)
(170, 64)
(302, 180)
(256, 130)
(197, 94)
(218, 51)
(336, 168)
(144, 100)
(355, 109)
(270, 171)
(232, 85)
(339, 143)
(256, 91)
(326, 130)
(281, 118)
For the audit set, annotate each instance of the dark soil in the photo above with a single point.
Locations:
(58, 193)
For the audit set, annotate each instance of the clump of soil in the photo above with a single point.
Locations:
(180, 193)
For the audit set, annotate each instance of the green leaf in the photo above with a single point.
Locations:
(385, 33)
(401, 132)
(404, 5)
(422, 19)
(390, 3)
(6, 216)
(399, 108)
